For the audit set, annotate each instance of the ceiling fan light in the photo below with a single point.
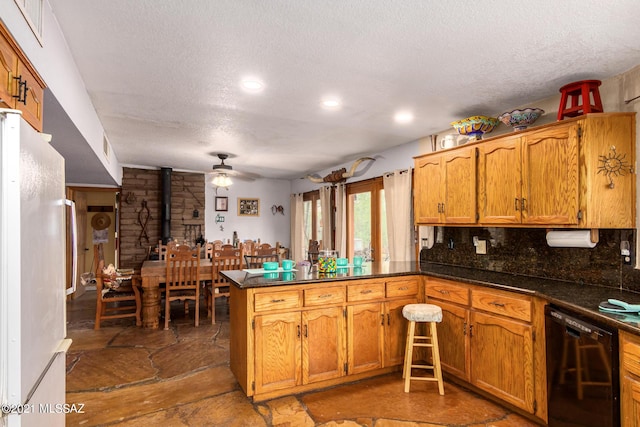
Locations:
(221, 180)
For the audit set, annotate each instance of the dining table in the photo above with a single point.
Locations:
(153, 273)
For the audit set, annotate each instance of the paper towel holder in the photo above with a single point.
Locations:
(577, 238)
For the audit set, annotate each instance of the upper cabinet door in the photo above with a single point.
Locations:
(459, 173)
(550, 176)
(427, 190)
(32, 105)
(8, 66)
(500, 182)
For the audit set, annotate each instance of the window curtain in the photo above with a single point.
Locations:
(397, 194)
(341, 220)
(327, 213)
(298, 246)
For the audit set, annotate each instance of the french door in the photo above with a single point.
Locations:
(366, 220)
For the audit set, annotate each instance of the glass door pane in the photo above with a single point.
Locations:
(361, 203)
(366, 221)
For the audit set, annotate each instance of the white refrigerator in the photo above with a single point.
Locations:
(33, 331)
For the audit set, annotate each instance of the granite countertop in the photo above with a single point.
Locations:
(303, 274)
(580, 298)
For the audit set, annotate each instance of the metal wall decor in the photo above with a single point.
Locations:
(613, 164)
(248, 207)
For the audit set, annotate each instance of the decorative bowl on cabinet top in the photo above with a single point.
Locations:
(475, 126)
(520, 119)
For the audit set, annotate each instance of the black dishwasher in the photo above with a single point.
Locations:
(582, 371)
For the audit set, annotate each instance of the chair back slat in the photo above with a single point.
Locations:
(183, 267)
(266, 249)
(255, 261)
(226, 259)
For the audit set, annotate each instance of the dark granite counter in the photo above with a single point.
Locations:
(303, 275)
(580, 298)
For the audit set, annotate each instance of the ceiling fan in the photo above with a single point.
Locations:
(222, 173)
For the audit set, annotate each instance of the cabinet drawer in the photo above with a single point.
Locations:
(322, 296)
(511, 306)
(365, 291)
(631, 354)
(277, 300)
(401, 287)
(447, 291)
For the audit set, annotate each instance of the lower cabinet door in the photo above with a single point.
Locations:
(630, 402)
(502, 358)
(453, 339)
(395, 331)
(364, 337)
(278, 350)
(323, 344)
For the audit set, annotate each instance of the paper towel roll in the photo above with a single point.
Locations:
(570, 239)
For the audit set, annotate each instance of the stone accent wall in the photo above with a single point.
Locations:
(144, 186)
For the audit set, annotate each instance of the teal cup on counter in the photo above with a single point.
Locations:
(288, 264)
(342, 262)
(357, 261)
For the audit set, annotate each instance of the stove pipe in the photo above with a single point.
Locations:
(165, 204)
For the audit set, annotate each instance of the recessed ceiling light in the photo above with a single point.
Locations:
(331, 103)
(252, 85)
(403, 117)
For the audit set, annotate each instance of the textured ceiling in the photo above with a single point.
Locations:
(164, 74)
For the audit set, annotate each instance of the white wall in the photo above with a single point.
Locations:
(267, 227)
(55, 65)
(400, 157)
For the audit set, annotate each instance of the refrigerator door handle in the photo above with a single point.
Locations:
(74, 246)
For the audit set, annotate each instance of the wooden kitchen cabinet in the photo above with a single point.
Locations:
(531, 179)
(365, 337)
(299, 348)
(278, 350)
(577, 173)
(550, 176)
(629, 380)
(302, 337)
(21, 87)
(446, 183)
(427, 195)
(487, 338)
(502, 358)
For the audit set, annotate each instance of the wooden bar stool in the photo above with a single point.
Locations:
(578, 95)
(422, 313)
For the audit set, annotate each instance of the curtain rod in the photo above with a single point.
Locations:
(400, 172)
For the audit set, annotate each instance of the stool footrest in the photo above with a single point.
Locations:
(423, 378)
(423, 366)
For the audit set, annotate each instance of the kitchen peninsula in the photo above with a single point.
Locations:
(302, 330)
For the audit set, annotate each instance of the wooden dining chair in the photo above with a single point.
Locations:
(314, 251)
(255, 261)
(265, 249)
(225, 259)
(162, 249)
(182, 279)
(117, 299)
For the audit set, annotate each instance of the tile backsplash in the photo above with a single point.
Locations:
(525, 251)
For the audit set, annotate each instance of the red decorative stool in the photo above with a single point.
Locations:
(578, 95)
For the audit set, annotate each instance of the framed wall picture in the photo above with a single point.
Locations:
(248, 207)
(222, 204)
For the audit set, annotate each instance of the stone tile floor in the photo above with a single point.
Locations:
(128, 376)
